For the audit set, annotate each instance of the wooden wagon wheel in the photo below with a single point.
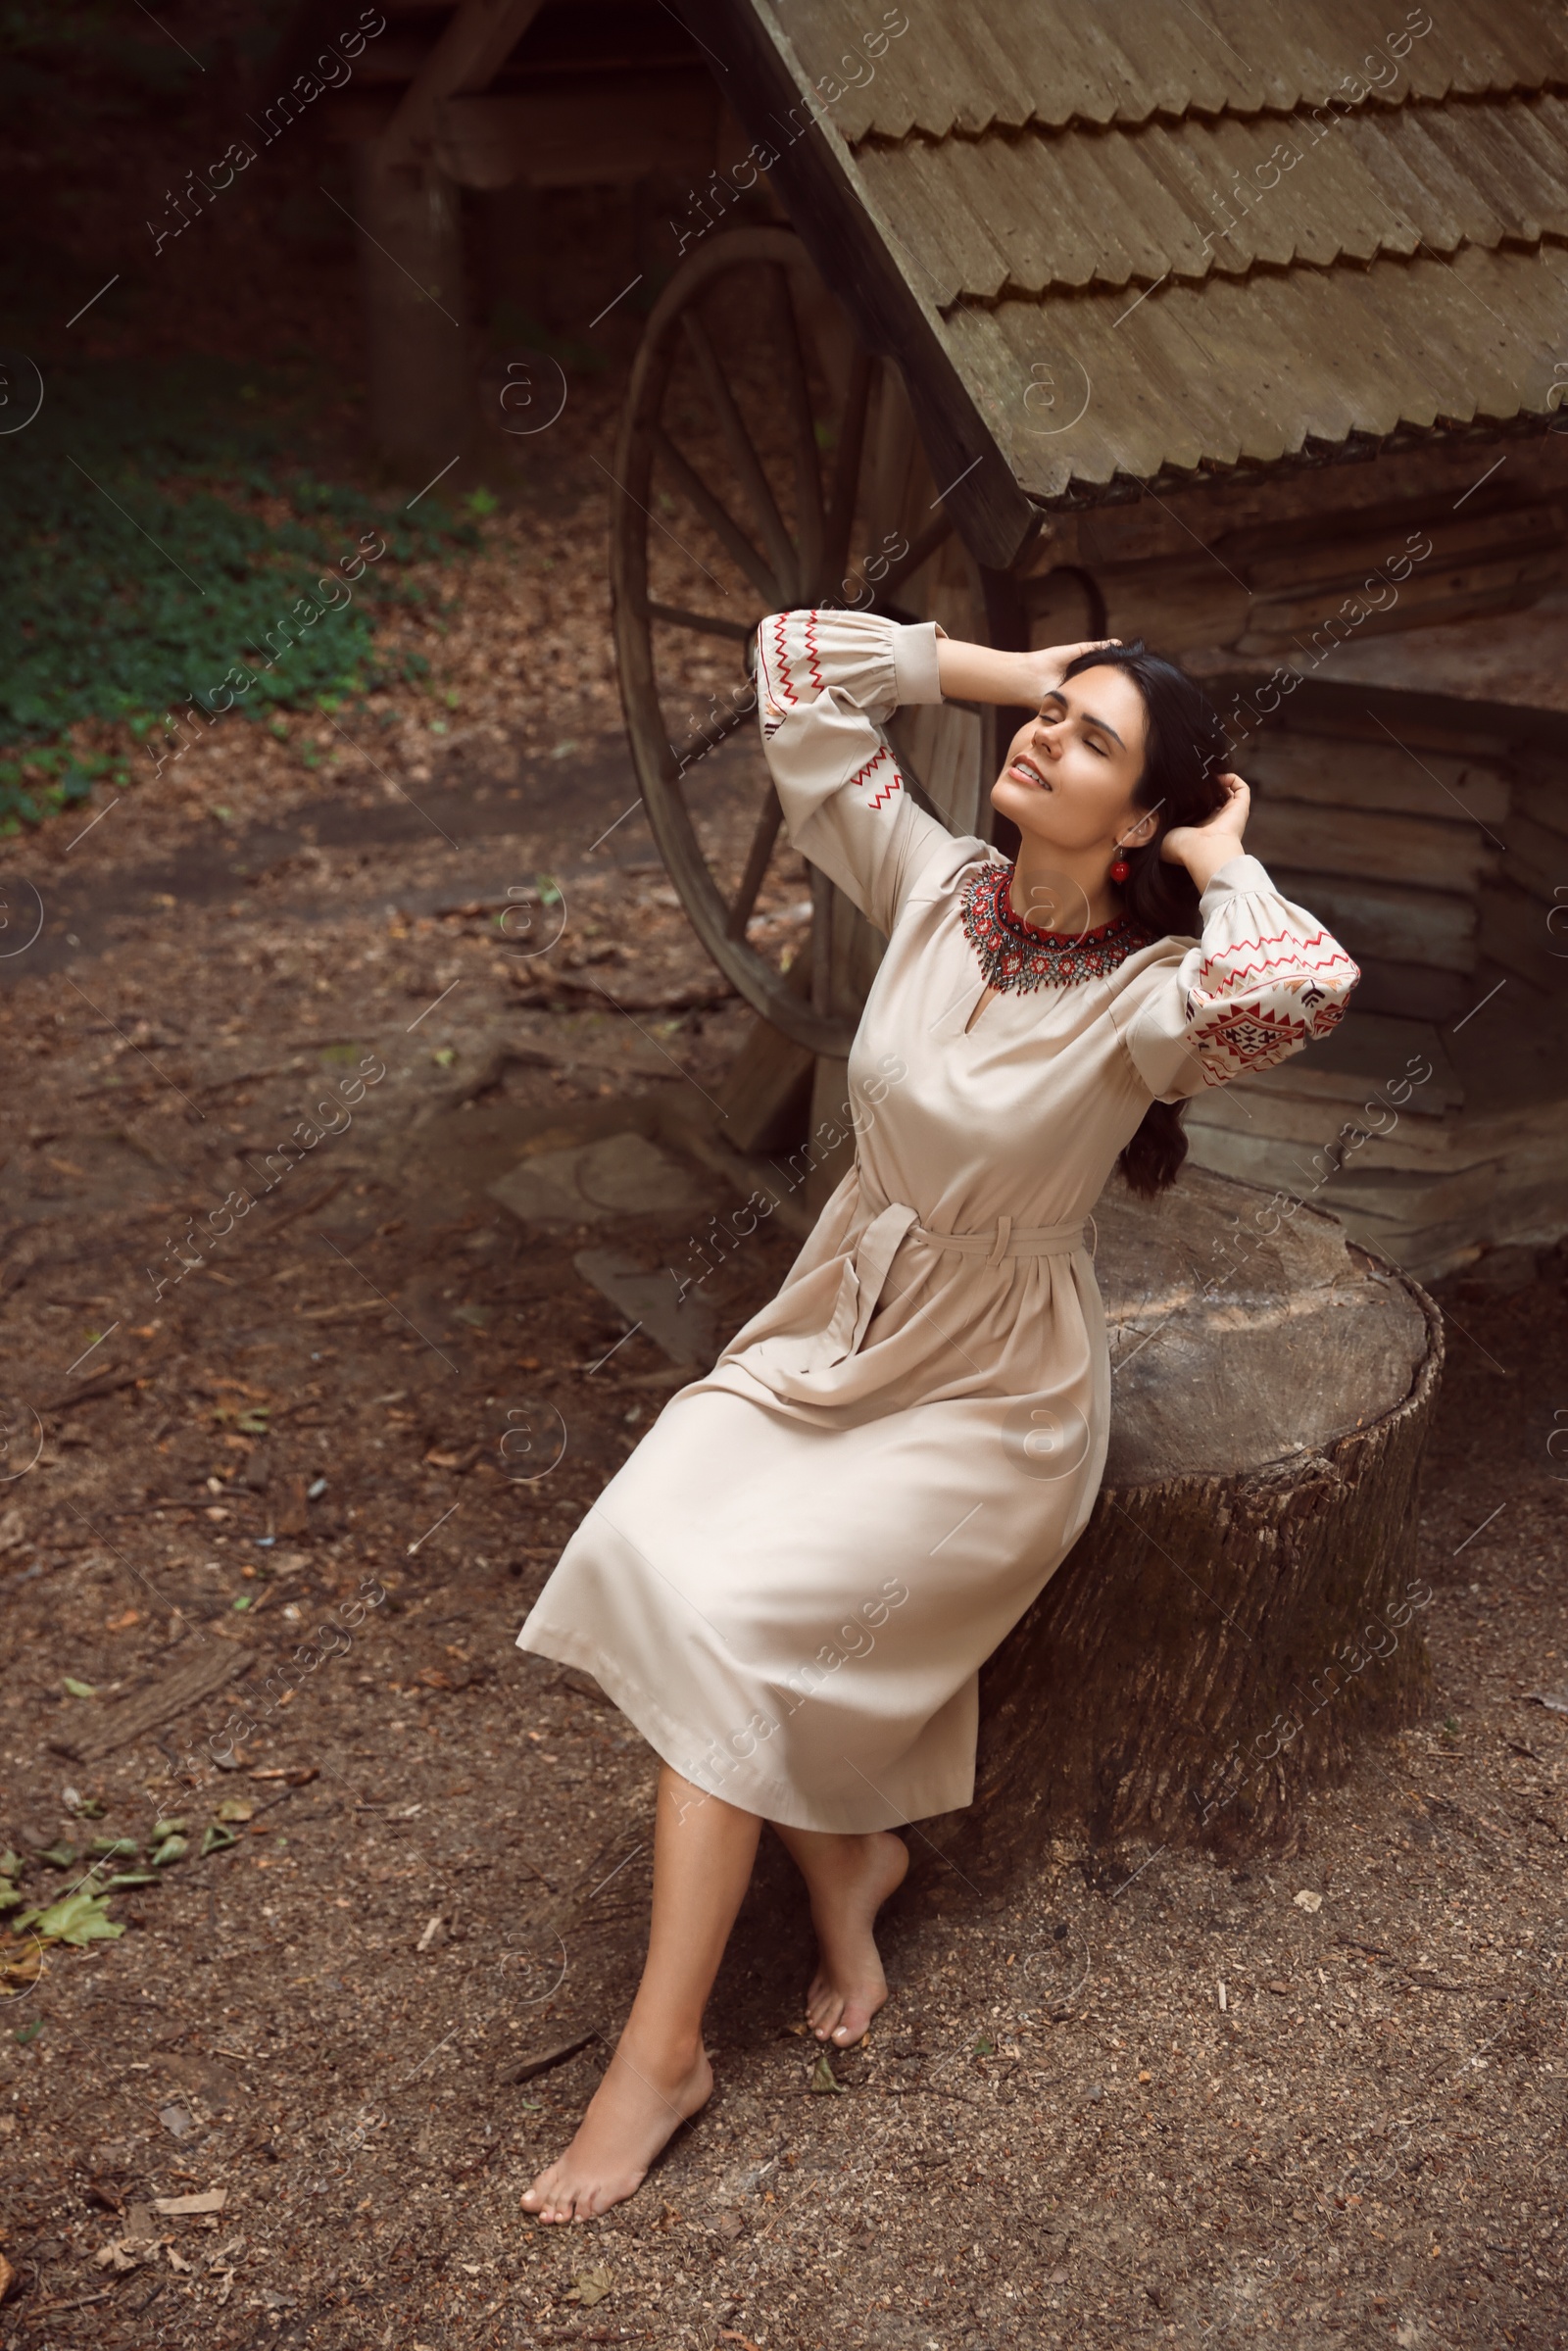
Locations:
(764, 461)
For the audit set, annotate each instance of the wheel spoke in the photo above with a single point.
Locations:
(847, 474)
(720, 523)
(707, 624)
(821, 941)
(742, 456)
(809, 517)
(924, 548)
(708, 738)
(769, 816)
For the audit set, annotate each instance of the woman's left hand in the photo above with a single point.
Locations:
(1205, 848)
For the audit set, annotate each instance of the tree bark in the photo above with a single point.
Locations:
(1241, 1611)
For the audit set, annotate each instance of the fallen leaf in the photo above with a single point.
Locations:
(216, 1838)
(236, 1808)
(210, 2199)
(1554, 1701)
(1308, 1901)
(591, 2287)
(78, 1689)
(176, 2119)
(78, 1919)
(59, 1856)
(823, 2078)
(173, 1848)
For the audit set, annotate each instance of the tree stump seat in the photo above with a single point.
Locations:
(1242, 1610)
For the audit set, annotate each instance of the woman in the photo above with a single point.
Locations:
(792, 1583)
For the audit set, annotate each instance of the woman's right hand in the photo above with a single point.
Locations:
(1051, 665)
(983, 673)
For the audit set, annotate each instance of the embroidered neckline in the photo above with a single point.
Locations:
(1018, 956)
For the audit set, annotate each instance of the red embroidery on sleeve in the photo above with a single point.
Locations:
(817, 679)
(885, 791)
(1222, 975)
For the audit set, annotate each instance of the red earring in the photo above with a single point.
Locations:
(1120, 870)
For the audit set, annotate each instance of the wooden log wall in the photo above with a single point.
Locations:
(1390, 842)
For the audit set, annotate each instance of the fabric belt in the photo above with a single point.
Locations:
(866, 1262)
(1007, 1240)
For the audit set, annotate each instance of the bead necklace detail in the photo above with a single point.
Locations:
(1015, 955)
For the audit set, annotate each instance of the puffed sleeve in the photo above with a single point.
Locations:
(827, 683)
(1265, 979)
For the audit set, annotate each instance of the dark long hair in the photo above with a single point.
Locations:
(1185, 754)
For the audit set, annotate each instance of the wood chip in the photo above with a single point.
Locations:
(529, 2068)
(214, 1663)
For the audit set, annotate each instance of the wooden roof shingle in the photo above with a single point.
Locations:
(1112, 242)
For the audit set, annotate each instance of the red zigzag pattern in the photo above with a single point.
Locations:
(881, 798)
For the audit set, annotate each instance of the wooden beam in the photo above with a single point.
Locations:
(591, 132)
(423, 407)
(468, 53)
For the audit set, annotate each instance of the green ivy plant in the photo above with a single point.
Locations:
(142, 568)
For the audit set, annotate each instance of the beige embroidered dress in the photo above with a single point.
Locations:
(792, 1583)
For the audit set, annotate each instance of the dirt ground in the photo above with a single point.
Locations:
(1313, 2095)
(356, 1435)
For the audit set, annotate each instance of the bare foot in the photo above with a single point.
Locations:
(636, 2107)
(848, 1889)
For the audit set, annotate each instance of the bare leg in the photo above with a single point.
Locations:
(704, 1850)
(850, 1878)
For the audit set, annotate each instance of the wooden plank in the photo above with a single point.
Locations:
(590, 132)
(1450, 594)
(469, 50)
(1380, 918)
(1412, 990)
(1364, 842)
(942, 746)
(1513, 933)
(1537, 860)
(1369, 1052)
(1328, 771)
(214, 1663)
(1544, 801)
(1323, 564)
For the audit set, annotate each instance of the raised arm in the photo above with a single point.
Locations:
(980, 674)
(827, 682)
(1265, 980)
